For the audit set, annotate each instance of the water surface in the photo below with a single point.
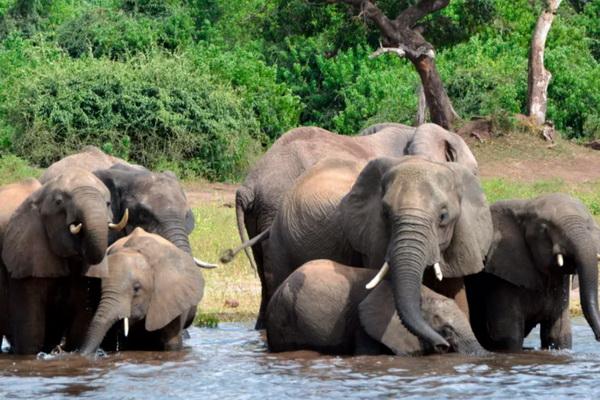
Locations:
(231, 362)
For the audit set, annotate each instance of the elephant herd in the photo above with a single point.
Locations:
(380, 243)
(385, 243)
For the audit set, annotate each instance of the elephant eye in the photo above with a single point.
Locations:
(58, 201)
(443, 216)
(136, 287)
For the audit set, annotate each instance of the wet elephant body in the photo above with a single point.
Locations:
(538, 245)
(261, 194)
(349, 319)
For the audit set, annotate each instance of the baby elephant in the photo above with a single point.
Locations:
(153, 287)
(324, 306)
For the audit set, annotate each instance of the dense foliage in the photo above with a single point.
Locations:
(201, 85)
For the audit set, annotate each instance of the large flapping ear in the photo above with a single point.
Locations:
(473, 230)
(362, 221)
(509, 257)
(379, 319)
(178, 284)
(26, 248)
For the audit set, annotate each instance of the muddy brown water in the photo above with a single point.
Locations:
(231, 362)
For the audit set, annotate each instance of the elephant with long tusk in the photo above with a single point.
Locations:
(538, 245)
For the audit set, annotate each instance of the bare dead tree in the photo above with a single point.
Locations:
(403, 37)
(538, 76)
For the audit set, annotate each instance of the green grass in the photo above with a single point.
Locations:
(13, 168)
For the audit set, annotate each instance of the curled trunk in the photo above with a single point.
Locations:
(95, 226)
(408, 253)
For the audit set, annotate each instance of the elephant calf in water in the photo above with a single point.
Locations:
(325, 306)
(154, 285)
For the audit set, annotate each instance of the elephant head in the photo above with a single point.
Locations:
(411, 214)
(66, 218)
(435, 143)
(150, 281)
(156, 202)
(550, 235)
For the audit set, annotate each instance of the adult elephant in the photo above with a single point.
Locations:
(153, 287)
(403, 214)
(11, 197)
(260, 195)
(325, 306)
(538, 244)
(50, 242)
(90, 158)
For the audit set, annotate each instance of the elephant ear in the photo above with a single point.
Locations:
(26, 251)
(509, 257)
(361, 208)
(178, 286)
(379, 319)
(473, 230)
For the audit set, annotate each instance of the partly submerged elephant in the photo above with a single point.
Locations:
(50, 242)
(538, 245)
(153, 287)
(404, 214)
(259, 197)
(325, 306)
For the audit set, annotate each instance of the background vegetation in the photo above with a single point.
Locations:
(203, 86)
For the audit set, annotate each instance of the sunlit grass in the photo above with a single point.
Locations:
(13, 168)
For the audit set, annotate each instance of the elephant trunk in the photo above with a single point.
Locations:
(94, 219)
(174, 231)
(408, 253)
(587, 269)
(109, 311)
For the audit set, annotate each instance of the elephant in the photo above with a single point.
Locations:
(378, 127)
(11, 197)
(50, 242)
(151, 283)
(90, 158)
(537, 245)
(324, 306)
(260, 195)
(402, 214)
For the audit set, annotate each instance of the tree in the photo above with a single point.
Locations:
(539, 77)
(403, 37)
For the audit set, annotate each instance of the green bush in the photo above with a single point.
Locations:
(148, 110)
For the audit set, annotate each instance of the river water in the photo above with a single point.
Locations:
(231, 362)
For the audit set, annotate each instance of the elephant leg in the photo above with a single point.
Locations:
(505, 322)
(84, 295)
(27, 308)
(258, 252)
(555, 332)
(171, 336)
(366, 345)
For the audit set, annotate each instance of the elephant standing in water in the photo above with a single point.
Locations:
(50, 242)
(152, 286)
(260, 195)
(404, 214)
(325, 306)
(538, 244)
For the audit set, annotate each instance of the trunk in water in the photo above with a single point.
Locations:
(411, 238)
(104, 318)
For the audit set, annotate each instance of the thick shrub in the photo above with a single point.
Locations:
(151, 111)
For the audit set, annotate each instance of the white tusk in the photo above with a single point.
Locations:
(204, 264)
(75, 229)
(438, 271)
(379, 277)
(122, 223)
(126, 326)
(598, 257)
(559, 260)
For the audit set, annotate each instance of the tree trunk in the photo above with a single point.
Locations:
(421, 107)
(538, 77)
(438, 102)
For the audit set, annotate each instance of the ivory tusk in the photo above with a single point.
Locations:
(438, 271)
(122, 223)
(379, 277)
(598, 257)
(559, 260)
(126, 326)
(204, 264)
(75, 229)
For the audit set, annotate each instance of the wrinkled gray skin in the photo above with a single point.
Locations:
(11, 197)
(90, 158)
(45, 262)
(408, 211)
(260, 195)
(154, 284)
(324, 306)
(523, 285)
(156, 202)
(378, 127)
